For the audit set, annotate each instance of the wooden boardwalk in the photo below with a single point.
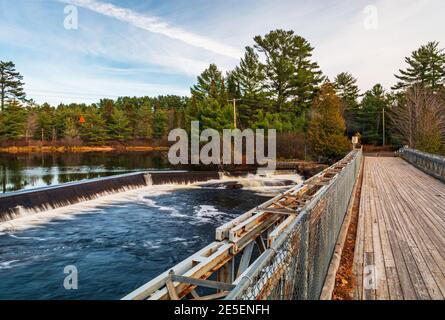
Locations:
(400, 246)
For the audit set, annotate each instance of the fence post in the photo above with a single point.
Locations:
(305, 241)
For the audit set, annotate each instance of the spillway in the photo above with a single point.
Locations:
(13, 205)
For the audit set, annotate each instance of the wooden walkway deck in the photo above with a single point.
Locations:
(400, 242)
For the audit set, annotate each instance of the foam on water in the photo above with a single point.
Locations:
(7, 264)
(205, 213)
(28, 219)
(263, 185)
(256, 182)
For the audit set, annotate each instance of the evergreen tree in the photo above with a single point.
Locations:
(214, 115)
(93, 130)
(160, 118)
(144, 128)
(106, 106)
(250, 74)
(370, 115)
(45, 123)
(426, 66)
(13, 121)
(11, 85)
(346, 87)
(118, 126)
(71, 132)
(327, 126)
(233, 86)
(210, 84)
(292, 77)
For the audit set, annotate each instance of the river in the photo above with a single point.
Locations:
(117, 242)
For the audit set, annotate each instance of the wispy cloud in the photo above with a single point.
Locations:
(156, 25)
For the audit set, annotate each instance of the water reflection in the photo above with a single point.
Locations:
(26, 171)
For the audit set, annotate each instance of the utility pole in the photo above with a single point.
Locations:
(234, 111)
(383, 126)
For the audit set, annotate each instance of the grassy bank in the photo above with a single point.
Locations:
(61, 149)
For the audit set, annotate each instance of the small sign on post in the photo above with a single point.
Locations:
(356, 140)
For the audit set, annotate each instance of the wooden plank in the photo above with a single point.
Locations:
(202, 282)
(368, 249)
(411, 270)
(380, 270)
(403, 212)
(416, 238)
(359, 244)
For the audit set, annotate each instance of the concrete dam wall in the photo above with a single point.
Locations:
(47, 198)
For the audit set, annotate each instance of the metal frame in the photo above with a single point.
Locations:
(265, 228)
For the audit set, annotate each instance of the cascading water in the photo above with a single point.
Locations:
(16, 204)
(118, 240)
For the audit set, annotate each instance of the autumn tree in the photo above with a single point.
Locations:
(326, 132)
(419, 119)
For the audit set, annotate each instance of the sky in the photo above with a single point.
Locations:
(85, 50)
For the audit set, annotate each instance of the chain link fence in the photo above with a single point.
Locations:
(296, 264)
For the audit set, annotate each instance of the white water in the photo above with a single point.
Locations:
(30, 218)
(146, 195)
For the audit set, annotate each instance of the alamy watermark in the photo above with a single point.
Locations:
(213, 153)
(370, 277)
(71, 281)
(371, 21)
(71, 21)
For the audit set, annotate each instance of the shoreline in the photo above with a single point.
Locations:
(62, 149)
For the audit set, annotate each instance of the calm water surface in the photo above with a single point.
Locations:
(26, 171)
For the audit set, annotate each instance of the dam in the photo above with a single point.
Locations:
(116, 230)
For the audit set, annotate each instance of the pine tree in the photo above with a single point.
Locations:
(346, 87)
(45, 122)
(71, 132)
(93, 130)
(144, 127)
(426, 66)
(210, 84)
(292, 77)
(13, 121)
(370, 115)
(327, 126)
(118, 126)
(250, 74)
(233, 85)
(11, 85)
(160, 118)
(214, 115)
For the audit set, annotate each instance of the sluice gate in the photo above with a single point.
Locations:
(279, 250)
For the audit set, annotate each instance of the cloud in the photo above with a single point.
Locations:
(156, 25)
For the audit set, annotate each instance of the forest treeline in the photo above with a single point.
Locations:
(277, 84)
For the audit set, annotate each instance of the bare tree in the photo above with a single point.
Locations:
(419, 119)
